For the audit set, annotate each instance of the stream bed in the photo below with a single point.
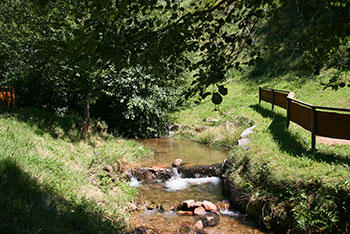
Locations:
(162, 198)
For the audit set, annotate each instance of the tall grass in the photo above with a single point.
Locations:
(55, 183)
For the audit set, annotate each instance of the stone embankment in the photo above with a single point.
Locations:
(148, 174)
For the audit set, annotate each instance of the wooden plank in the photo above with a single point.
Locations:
(301, 115)
(335, 125)
(266, 95)
(314, 127)
(6, 99)
(281, 99)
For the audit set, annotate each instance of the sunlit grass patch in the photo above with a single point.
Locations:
(280, 175)
(224, 136)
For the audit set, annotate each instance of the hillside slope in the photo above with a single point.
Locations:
(282, 182)
(51, 182)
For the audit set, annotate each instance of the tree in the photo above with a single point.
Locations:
(80, 48)
(82, 51)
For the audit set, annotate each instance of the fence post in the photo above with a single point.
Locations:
(273, 99)
(259, 95)
(314, 127)
(288, 111)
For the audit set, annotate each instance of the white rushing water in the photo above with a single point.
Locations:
(134, 182)
(231, 213)
(175, 184)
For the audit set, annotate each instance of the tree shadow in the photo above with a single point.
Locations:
(290, 143)
(28, 207)
(288, 40)
(46, 122)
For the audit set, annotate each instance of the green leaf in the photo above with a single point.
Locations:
(216, 98)
(222, 90)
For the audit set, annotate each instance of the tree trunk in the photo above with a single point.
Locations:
(86, 116)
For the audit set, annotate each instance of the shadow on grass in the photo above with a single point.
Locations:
(27, 207)
(46, 122)
(290, 143)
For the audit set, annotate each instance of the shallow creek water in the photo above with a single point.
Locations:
(192, 154)
(177, 189)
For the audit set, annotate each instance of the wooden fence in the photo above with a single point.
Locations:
(7, 97)
(321, 121)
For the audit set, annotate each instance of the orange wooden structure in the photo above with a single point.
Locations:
(7, 97)
(321, 121)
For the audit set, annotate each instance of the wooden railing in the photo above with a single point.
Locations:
(7, 97)
(321, 121)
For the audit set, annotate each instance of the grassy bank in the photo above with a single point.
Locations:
(281, 181)
(52, 182)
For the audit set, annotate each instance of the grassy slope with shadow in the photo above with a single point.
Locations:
(52, 183)
(28, 207)
(282, 183)
(289, 142)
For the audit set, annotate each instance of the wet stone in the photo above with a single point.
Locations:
(209, 206)
(152, 173)
(199, 211)
(199, 225)
(196, 204)
(167, 207)
(152, 206)
(210, 220)
(200, 171)
(185, 213)
(177, 163)
(186, 205)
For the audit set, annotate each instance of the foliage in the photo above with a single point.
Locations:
(80, 50)
(66, 55)
(304, 37)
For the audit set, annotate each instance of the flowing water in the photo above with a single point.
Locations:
(177, 189)
(192, 154)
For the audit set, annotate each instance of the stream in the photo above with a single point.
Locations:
(162, 198)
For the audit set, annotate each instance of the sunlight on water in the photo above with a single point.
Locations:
(167, 150)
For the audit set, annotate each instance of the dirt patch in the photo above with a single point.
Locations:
(332, 141)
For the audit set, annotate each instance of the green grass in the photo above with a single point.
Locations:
(282, 158)
(52, 182)
(292, 146)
